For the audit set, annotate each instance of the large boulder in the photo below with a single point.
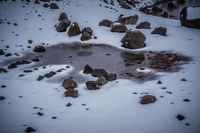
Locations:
(74, 30)
(118, 27)
(146, 99)
(160, 31)
(62, 26)
(133, 39)
(189, 17)
(105, 22)
(143, 25)
(128, 20)
(69, 83)
(71, 93)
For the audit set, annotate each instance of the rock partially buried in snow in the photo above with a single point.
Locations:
(146, 99)
(128, 20)
(74, 30)
(143, 25)
(118, 27)
(93, 85)
(133, 39)
(62, 26)
(30, 129)
(160, 31)
(69, 83)
(71, 93)
(190, 17)
(63, 16)
(85, 36)
(39, 49)
(105, 22)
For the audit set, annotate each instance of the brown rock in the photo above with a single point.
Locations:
(85, 36)
(160, 31)
(102, 80)
(143, 25)
(54, 6)
(146, 99)
(118, 27)
(128, 20)
(99, 72)
(74, 30)
(71, 93)
(63, 16)
(69, 83)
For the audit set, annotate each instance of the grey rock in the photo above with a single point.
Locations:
(63, 25)
(160, 31)
(133, 39)
(111, 76)
(143, 25)
(102, 80)
(105, 22)
(99, 72)
(93, 85)
(69, 83)
(40, 77)
(88, 30)
(2, 52)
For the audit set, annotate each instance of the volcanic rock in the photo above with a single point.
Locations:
(99, 72)
(71, 93)
(74, 30)
(105, 22)
(39, 49)
(133, 39)
(93, 85)
(160, 31)
(62, 26)
(146, 99)
(69, 83)
(143, 25)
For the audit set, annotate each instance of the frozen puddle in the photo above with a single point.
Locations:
(128, 64)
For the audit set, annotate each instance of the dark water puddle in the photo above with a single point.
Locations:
(127, 64)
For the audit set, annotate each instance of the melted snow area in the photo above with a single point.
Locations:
(193, 13)
(115, 107)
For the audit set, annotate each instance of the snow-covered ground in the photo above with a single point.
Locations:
(115, 108)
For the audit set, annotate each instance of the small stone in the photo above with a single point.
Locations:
(87, 69)
(85, 36)
(111, 76)
(3, 86)
(9, 54)
(28, 71)
(40, 113)
(48, 75)
(54, 117)
(69, 104)
(93, 85)
(99, 72)
(63, 16)
(160, 31)
(40, 77)
(13, 65)
(102, 80)
(159, 82)
(180, 117)
(3, 70)
(186, 100)
(30, 41)
(54, 6)
(36, 59)
(2, 98)
(183, 79)
(30, 129)
(69, 83)
(74, 30)
(88, 30)
(39, 49)
(105, 22)
(146, 99)
(71, 93)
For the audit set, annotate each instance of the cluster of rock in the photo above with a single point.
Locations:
(126, 4)
(132, 39)
(74, 28)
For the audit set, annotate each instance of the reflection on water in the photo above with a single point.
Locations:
(176, 12)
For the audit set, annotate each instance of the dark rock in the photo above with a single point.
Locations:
(37, 2)
(87, 69)
(69, 83)
(40, 77)
(39, 49)
(118, 27)
(164, 14)
(22, 62)
(28, 71)
(48, 75)
(2, 52)
(74, 30)
(13, 65)
(3, 70)
(128, 20)
(46, 5)
(143, 25)
(2, 98)
(62, 26)
(190, 23)
(85, 36)
(111, 76)
(36, 59)
(105, 22)
(186, 100)
(171, 5)
(8, 54)
(102, 80)
(54, 6)
(95, 37)
(183, 79)
(99, 72)
(71, 93)
(30, 41)
(30, 129)
(69, 104)
(133, 39)
(156, 9)
(88, 30)
(181, 1)
(146, 99)
(45, 0)
(124, 5)
(63, 16)
(159, 82)
(160, 31)
(180, 117)
(40, 113)
(93, 85)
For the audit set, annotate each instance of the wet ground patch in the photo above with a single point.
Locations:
(134, 65)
